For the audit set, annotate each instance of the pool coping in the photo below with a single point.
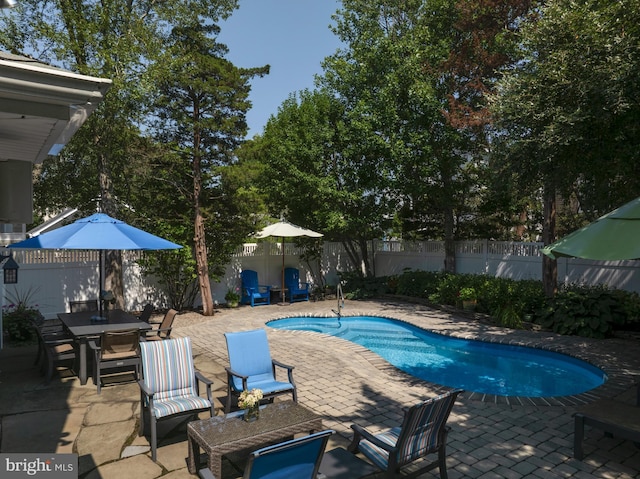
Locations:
(618, 380)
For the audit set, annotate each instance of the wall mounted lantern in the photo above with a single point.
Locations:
(10, 269)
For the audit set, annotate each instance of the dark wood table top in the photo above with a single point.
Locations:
(88, 323)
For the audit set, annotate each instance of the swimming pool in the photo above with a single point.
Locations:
(472, 365)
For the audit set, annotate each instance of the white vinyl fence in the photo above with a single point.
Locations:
(53, 278)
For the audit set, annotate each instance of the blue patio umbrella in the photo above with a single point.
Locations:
(97, 232)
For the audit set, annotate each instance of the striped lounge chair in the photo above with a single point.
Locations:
(170, 384)
(423, 431)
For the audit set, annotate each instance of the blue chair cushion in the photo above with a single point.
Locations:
(256, 363)
(267, 386)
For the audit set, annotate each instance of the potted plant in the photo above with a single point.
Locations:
(232, 297)
(468, 296)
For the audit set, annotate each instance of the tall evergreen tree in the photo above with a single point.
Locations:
(201, 113)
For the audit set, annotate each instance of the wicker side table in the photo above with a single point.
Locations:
(222, 435)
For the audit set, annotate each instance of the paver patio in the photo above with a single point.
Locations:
(491, 437)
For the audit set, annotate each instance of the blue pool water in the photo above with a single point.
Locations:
(472, 365)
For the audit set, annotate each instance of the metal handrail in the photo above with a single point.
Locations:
(340, 296)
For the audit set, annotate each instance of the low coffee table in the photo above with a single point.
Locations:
(221, 435)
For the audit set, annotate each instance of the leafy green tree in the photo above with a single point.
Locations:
(314, 176)
(201, 114)
(116, 39)
(567, 112)
(413, 79)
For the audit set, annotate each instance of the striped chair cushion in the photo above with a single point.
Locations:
(168, 371)
(178, 405)
(377, 455)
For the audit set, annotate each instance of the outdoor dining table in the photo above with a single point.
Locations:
(85, 325)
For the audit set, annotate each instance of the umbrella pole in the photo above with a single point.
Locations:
(282, 287)
(100, 281)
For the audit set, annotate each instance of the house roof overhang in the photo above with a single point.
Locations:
(41, 106)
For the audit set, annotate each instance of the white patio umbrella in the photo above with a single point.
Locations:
(284, 229)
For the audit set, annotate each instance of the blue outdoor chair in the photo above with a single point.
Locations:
(251, 367)
(297, 291)
(295, 459)
(423, 431)
(170, 384)
(253, 293)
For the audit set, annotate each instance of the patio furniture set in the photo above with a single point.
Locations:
(257, 294)
(100, 342)
(170, 387)
(422, 432)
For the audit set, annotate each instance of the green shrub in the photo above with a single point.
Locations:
(447, 289)
(355, 286)
(18, 317)
(418, 284)
(594, 311)
(17, 321)
(590, 311)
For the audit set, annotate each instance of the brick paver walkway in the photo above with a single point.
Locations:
(491, 437)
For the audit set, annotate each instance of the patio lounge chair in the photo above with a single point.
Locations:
(253, 293)
(163, 331)
(251, 366)
(170, 384)
(297, 291)
(615, 418)
(298, 458)
(423, 431)
(117, 350)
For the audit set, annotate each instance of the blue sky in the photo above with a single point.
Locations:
(292, 36)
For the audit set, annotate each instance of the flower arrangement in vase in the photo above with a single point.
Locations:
(250, 402)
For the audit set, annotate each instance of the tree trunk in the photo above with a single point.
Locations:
(352, 254)
(366, 260)
(204, 282)
(112, 259)
(449, 242)
(199, 238)
(549, 266)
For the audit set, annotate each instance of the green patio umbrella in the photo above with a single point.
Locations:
(612, 237)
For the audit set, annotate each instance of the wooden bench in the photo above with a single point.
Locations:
(615, 418)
